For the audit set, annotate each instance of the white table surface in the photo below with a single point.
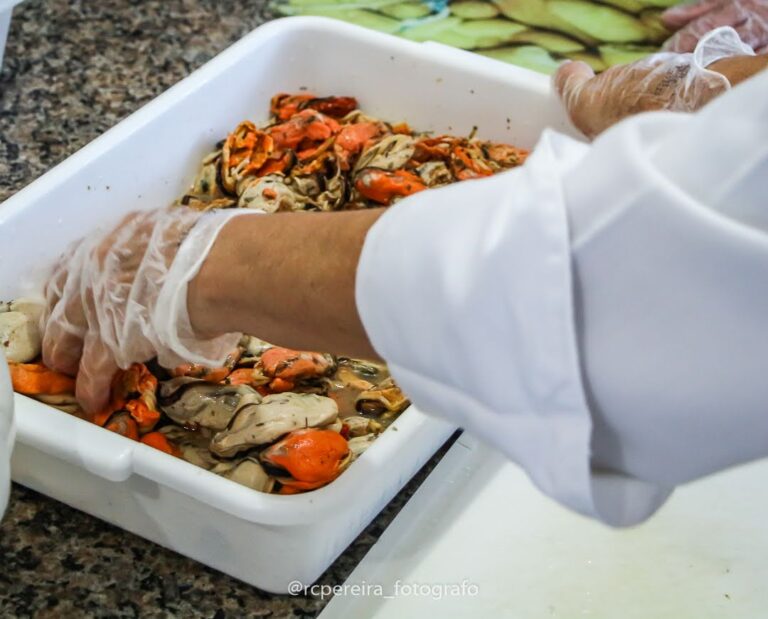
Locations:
(477, 520)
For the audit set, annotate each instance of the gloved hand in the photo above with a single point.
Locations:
(664, 81)
(121, 298)
(693, 21)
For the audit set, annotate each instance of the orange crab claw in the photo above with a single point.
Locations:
(158, 440)
(286, 367)
(38, 379)
(312, 457)
(382, 186)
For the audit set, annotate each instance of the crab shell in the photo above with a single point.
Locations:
(310, 458)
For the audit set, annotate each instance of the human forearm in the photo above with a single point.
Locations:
(288, 278)
(740, 68)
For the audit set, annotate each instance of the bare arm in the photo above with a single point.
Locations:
(288, 278)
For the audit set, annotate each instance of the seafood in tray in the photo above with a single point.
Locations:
(271, 418)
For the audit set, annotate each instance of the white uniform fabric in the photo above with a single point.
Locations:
(599, 314)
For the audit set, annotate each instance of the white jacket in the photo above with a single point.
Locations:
(600, 314)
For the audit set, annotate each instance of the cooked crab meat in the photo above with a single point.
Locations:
(390, 153)
(247, 472)
(384, 398)
(307, 459)
(192, 402)
(276, 415)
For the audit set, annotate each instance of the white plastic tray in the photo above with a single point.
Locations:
(6, 8)
(149, 159)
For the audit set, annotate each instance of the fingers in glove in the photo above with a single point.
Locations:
(685, 40)
(572, 83)
(754, 32)
(64, 323)
(94, 378)
(679, 16)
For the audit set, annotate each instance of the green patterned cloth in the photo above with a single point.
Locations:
(537, 34)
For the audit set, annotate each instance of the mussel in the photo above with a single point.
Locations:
(276, 415)
(192, 402)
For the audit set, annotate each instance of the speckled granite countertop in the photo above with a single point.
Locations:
(72, 70)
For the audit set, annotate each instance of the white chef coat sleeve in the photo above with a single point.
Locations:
(592, 314)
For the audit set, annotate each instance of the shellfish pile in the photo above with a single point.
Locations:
(271, 418)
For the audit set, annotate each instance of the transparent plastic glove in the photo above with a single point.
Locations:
(121, 298)
(664, 81)
(692, 21)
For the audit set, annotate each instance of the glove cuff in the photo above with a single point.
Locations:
(171, 316)
(722, 42)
